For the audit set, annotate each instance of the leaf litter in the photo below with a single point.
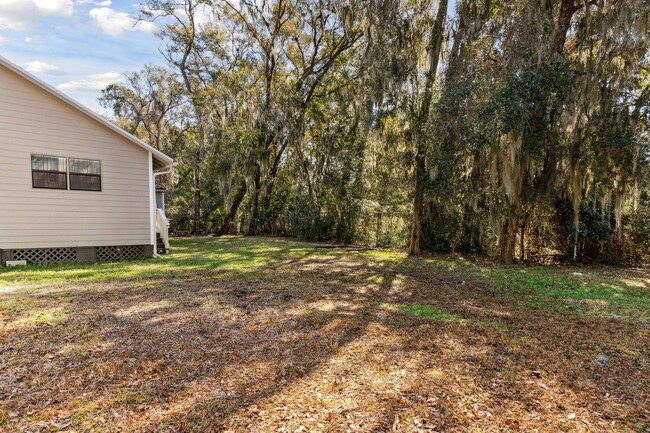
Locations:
(308, 345)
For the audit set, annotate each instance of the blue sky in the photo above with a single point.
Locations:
(78, 46)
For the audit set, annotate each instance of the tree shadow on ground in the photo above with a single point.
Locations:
(304, 341)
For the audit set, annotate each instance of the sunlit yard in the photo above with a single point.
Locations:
(262, 335)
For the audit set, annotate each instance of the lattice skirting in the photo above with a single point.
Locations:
(46, 255)
(78, 254)
(120, 253)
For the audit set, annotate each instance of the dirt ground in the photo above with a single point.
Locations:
(263, 335)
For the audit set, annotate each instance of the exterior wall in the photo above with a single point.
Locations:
(34, 122)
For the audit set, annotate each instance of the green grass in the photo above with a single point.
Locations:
(428, 312)
(584, 291)
(51, 316)
(227, 256)
(432, 313)
(234, 255)
(561, 289)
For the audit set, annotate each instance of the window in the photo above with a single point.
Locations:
(52, 172)
(85, 175)
(49, 172)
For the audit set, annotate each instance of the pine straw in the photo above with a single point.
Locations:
(310, 345)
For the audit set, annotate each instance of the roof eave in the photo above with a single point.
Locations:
(164, 162)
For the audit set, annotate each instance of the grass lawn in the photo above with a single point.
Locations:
(269, 335)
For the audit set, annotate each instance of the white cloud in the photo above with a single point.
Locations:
(202, 13)
(33, 39)
(19, 14)
(115, 23)
(92, 83)
(39, 67)
(2, 40)
(95, 2)
(64, 8)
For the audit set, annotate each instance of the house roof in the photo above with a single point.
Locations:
(160, 159)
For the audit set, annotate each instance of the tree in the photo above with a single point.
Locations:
(185, 51)
(491, 127)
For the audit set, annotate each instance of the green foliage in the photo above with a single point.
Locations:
(638, 236)
(529, 131)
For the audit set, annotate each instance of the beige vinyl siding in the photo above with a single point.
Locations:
(32, 121)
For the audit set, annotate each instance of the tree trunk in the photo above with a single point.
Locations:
(378, 225)
(196, 228)
(236, 202)
(576, 225)
(508, 240)
(415, 246)
(435, 47)
(273, 174)
(522, 239)
(255, 200)
(567, 9)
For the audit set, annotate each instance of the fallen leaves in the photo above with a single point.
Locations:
(512, 423)
(306, 347)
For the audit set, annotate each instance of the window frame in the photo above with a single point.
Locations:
(71, 173)
(31, 162)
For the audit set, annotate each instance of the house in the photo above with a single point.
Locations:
(73, 186)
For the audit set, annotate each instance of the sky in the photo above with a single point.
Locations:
(77, 46)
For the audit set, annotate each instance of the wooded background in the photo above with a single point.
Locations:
(515, 129)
